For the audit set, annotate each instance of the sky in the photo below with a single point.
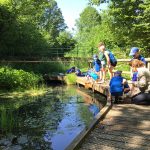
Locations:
(71, 10)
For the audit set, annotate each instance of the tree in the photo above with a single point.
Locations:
(130, 22)
(66, 41)
(52, 20)
(29, 27)
(97, 2)
(88, 19)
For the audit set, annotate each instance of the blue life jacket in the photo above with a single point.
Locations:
(97, 65)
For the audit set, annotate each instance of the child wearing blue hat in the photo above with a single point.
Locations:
(135, 53)
(97, 65)
(118, 86)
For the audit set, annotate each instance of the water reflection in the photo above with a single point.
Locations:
(94, 109)
(48, 122)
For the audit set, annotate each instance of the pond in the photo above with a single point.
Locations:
(48, 122)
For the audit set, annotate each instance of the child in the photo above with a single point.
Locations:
(118, 86)
(71, 70)
(104, 56)
(135, 53)
(92, 76)
(97, 65)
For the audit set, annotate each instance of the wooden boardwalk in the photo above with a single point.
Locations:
(101, 88)
(126, 126)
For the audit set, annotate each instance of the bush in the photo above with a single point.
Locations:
(70, 78)
(14, 79)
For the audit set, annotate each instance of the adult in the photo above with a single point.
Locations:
(135, 53)
(105, 61)
(143, 82)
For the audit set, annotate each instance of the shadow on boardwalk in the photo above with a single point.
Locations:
(125, 127)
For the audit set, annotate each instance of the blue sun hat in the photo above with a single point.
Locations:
(133, 51)
(118, 73)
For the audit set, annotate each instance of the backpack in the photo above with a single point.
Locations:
(112, 58)
(98, 61)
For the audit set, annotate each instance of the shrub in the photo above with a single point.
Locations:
(14, 79)
(70, 78)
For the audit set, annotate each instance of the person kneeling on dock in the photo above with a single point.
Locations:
(118, 86)
(143, 82)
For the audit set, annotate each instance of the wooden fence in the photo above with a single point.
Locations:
(70, 59)
(126, 61)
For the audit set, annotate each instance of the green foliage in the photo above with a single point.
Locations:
(31, 28)
(66, 41)
(130, 23)
(88, 39)
(70, 79)
(98, 2)
(88, 19)
(43, 67)
(14, 79)
(123, 25)
(122, 66)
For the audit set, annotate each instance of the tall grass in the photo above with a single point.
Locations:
(50, 67)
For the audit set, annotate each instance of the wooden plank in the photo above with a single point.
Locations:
(118, 132)
(101, 88)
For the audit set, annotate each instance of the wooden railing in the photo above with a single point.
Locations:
(126, 61)
(68, 59)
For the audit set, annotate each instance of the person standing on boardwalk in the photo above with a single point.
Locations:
(143, 82)
(105, 58)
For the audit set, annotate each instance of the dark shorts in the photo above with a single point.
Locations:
(113, 64)
(142, 98)
(116, 93)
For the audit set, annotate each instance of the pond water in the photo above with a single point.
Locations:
(48, 122)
